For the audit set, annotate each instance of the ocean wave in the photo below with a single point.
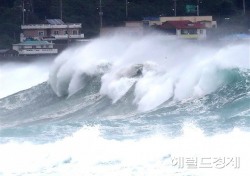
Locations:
(132, 106)
(154, 65)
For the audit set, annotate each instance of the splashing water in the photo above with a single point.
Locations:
(169, 68)
(128, 105)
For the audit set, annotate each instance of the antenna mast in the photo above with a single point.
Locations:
(61, 12)
(175, 7)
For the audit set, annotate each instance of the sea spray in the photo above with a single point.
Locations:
(178, 69)
(23, 74)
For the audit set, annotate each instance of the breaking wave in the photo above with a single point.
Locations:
(159, 68)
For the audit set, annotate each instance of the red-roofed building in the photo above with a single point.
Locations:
(192, 27)
(184, 29)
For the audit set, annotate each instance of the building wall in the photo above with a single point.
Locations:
(200, 34)
(208, 20)
(35, 32)
(64, 31)
(35, 49)
(190, 18)
(178, 32)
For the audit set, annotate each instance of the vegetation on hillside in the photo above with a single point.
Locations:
(114, 13)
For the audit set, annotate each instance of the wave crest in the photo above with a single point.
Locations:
(160, 68)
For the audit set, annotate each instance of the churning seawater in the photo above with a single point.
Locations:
(127, 105)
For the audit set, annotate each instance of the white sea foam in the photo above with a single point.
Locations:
(87, 152)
